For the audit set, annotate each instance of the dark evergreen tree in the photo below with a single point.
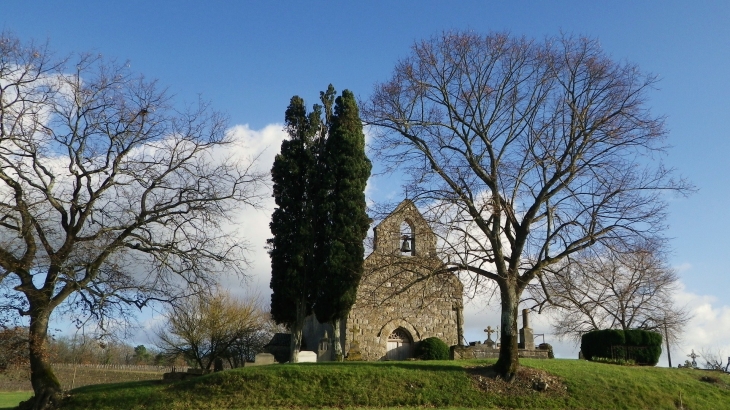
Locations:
(320, 221)
(291, 223)
(341, 211)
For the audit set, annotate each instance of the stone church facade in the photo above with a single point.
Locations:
(405, 295)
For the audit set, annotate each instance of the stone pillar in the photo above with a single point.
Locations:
(527, 339)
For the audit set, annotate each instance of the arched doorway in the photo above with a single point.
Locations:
(400, 345)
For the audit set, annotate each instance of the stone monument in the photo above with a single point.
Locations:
(527, 339)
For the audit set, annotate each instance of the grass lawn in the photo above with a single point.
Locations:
(8, 400)
(437, 384)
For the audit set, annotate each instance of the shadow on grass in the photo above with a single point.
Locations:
(94, 388)
(439, 365)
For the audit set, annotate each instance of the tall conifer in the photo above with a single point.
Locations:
(292, 282)
(341, 207)
(320, 221)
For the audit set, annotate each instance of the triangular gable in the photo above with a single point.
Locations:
(405, 220)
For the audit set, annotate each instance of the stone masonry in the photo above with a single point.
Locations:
(404, 293)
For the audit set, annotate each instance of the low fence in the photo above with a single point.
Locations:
(483, 351)
(123, 367)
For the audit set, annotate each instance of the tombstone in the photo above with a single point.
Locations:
(527, 339)
(280, 347)
(307, 356)
(218, 365)
(489, 342)
(263, 359)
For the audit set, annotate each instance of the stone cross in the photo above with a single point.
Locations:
(694, 356)
(489, 342)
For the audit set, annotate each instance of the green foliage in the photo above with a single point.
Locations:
(642, 346)
(141, 354)
(320, 222)
(342, 220)
(621, 362)
(290, 249)
(598, 342)
(432, 348)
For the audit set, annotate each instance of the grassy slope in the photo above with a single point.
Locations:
(8, 400)
(15, 387)
(81, 376)
(396, 384)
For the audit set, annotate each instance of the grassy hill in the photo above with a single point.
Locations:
(439, 384)
(447, 384)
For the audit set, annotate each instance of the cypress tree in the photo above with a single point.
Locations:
(320, 222)
(341, 207)
(292, 282)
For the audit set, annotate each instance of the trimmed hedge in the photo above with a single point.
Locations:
(642, 346)
(432, 348)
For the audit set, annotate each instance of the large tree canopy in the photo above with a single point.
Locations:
(524, 152)
(109, 196)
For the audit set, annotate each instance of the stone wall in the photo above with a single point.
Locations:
(485, 352)
(410, 291)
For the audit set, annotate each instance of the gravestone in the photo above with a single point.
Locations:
(489, 342)
(307, 356)
(527, 340)
(263, 359)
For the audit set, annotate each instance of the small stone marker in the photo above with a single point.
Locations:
(264, 358)
(307, 356)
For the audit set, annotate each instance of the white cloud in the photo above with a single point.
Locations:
(252, 225)
(709, 328)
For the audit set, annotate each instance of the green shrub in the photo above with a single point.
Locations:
(598, 342)
(620, 362)
(432, 348)
(641, 346)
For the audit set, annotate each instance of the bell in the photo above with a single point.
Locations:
(406, 246)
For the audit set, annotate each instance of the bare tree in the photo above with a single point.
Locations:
(523, 152)
(204, 328)
(604, 288)
(13, 348)
(110, 198)
(714, 360)
(252, 342)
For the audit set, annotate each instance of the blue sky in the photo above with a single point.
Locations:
(249, 58)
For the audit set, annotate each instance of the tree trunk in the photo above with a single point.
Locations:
(508, 361)
(46, 387)
(336, 341)
(296, 332)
